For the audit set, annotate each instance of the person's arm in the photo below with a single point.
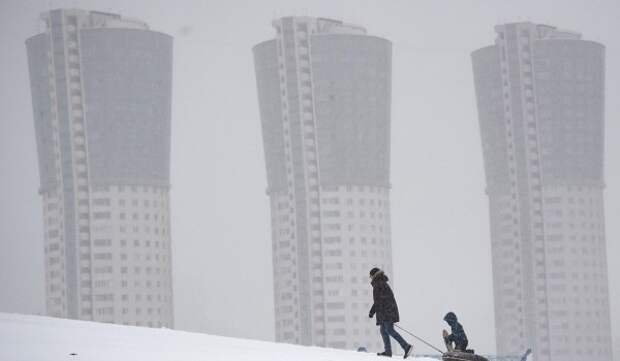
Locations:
(375, 301)
(455, 333)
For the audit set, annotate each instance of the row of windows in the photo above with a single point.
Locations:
(285, 218)
(133, 189)
(351, 214)
(125, 284)
(109, 256)
(102, 311)
(146, 203)
(571, 225)
(125, 297)
(110, 269)
(350, 201)
(138, 257)
(337, 253)
(570, 200)
(350, 227)
(106, 242)
(354, 188)
(54, 233)
(146, 229)
(123, 216)
(573, 212)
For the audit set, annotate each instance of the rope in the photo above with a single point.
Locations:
(422, 340)
(451, 356)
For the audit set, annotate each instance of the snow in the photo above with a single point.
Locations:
(37, 338)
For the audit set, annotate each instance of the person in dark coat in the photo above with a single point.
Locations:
(385, 308)
(458, 335)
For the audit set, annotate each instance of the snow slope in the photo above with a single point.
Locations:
(36, 338)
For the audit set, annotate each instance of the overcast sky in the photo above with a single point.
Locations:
(220, 212)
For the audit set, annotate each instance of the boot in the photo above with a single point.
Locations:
(408, 351)
(385, 353)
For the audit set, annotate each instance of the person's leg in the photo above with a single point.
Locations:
(396, 335)
(450, 340)
(461, 345)
(387, 344)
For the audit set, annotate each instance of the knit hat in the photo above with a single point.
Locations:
(374, 271)
(450, 316)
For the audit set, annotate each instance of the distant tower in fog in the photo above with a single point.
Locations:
(540, 93)
(101, 93)
(324, 96)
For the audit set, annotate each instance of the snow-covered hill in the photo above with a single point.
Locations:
(36, 338)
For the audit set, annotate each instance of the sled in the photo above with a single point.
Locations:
(461, 356)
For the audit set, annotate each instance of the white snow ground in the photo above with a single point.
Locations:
(37, 338)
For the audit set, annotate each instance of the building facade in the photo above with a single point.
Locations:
(540, 95)
(101, 95)
(324, 96)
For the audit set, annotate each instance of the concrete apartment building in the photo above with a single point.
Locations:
(101, 96)
(540, 95)
(324, 95)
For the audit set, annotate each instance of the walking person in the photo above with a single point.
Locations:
(386, 310)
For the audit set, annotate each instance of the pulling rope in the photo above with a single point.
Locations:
(421, 340)
(450, 356)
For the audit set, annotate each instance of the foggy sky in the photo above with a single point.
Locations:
(221, 237)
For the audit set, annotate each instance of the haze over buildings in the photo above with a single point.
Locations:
(101, 96)
(324, 95)
(438, 209)
(540, 93)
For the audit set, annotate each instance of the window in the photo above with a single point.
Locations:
(102, 242)
(103, 256)
(101, 202)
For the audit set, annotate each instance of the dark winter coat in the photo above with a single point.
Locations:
(384, 305)
(458, 334)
